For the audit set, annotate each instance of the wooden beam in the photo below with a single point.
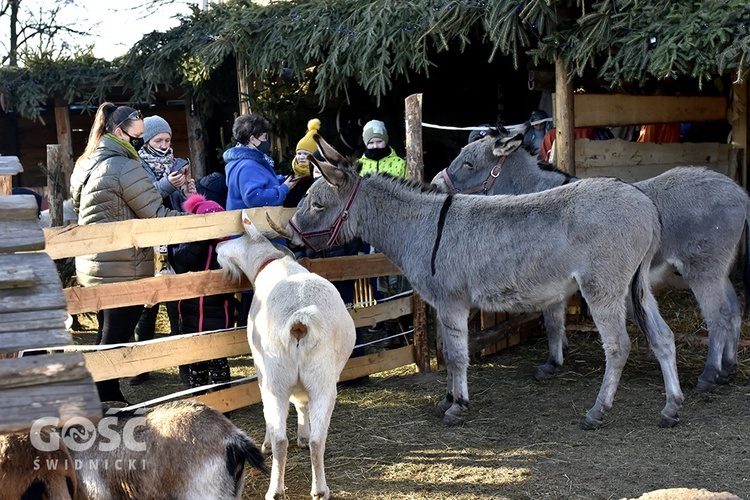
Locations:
(564, 119)
(30, 329)
(248, 393)
(21, 236)
(65, 142)
(635, 161)
(414, 157)
(64, 400)
(132, 359)
(10, 165)
(196, 139)
(157, 354)
(56, 183)
(18, 207)
(507, 333)
(610, 110)
(36, 370)
(184, 286)
(739, 121)
(70, 241)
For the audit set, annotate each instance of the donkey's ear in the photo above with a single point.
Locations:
(505, 145)
(333, 175)
(248, 224)
(331, 155)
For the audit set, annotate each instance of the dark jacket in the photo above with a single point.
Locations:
(213, 312)
(111, 186)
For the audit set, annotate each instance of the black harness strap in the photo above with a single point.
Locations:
(441, 223)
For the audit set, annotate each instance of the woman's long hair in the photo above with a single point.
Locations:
(108, 117)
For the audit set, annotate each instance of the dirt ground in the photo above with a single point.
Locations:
(523, 438)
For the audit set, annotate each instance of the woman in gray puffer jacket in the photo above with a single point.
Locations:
(109, 184)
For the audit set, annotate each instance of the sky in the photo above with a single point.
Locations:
(117, 26)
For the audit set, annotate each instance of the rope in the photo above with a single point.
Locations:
(513, 128)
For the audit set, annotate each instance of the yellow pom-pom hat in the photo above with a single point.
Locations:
(307, 143)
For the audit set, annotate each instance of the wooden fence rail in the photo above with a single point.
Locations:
(132, 359)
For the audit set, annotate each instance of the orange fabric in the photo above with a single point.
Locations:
(551, 135)
(660, 132)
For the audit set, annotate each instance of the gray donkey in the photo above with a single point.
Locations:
(509, 253)
(703, 214)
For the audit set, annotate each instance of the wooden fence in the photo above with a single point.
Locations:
(131, 359)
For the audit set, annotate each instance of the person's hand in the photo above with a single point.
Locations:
(291, 181)
(176, 179)
(189, 187)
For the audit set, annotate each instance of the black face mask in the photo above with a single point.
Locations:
(377, 154)
(264, 147)
(136, 142)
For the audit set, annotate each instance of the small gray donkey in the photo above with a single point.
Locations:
(703, 214)
(504, 253)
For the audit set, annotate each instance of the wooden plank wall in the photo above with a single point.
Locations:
(32, 315)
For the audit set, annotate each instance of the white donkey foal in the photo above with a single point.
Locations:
(301, 336)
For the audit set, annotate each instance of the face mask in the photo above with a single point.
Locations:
(377, 154)
(264, 147)
(136, 142)
(159, 153)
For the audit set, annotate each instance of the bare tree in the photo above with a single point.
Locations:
(35, 29)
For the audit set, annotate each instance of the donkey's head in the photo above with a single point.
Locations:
(323, 220)
(472, 170)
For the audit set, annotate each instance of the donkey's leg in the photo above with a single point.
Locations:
(275, 412)
(661, 341)
(303, 422)
(609, 317)
(322, 401)
(447, 401)
(554, 323)
(721, 310)
(456, 353)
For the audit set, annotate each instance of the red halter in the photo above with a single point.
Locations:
(334, 228)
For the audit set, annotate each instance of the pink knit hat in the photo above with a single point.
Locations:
(198, 204)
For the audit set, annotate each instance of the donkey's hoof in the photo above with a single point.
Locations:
(442, 407)
(666, 421)
(591, 424)
(705, 386)
(321, 495)
(545, 372)
(454, 416)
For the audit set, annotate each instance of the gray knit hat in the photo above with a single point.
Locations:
(154, 125)
(374, 128)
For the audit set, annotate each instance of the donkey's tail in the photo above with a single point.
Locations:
(638, 287)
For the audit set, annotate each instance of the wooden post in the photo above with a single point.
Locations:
(65, 141)
(414, 158)
(196, 140)
(415, 164)
(564, 120)
(243, 87)
(55, 184)
(738, 120)
(9, 166)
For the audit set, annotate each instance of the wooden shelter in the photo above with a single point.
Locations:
(33, 310)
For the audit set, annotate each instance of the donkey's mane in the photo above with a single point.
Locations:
(412, 184)
(549, 167)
